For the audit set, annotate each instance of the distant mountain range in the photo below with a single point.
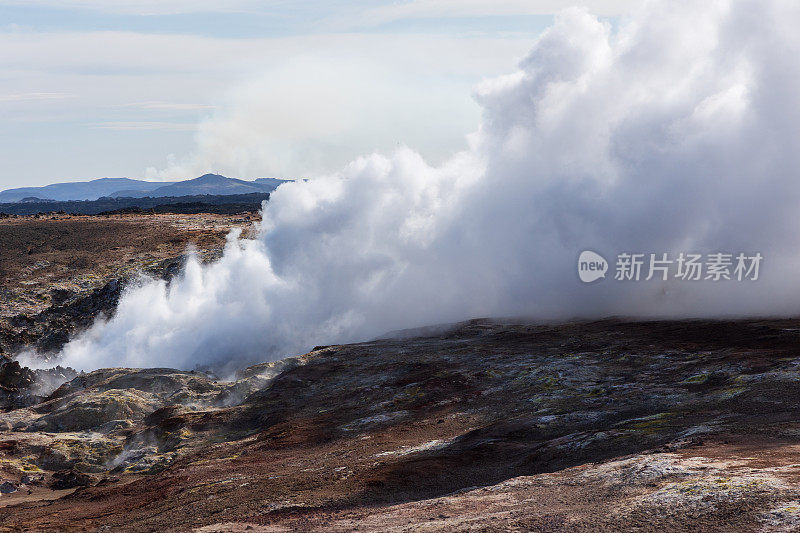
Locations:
(212, 184)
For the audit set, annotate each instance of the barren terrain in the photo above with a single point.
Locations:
(487, 425)
(57, 272)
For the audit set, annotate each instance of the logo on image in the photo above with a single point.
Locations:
(591, 267)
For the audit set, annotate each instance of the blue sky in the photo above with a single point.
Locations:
(174, 88)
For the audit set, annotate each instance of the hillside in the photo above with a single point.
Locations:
(82, 190)
(211, 184)
(208, 184)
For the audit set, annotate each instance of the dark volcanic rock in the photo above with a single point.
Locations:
(32, 479)
(49, 330)
(58, 273)
(68, 479)
(485, 425)
(16, 384)
(14, 377)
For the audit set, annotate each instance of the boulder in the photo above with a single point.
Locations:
(68, 479)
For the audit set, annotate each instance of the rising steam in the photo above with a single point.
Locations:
(676, 132)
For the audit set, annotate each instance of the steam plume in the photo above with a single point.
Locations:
(677, 132)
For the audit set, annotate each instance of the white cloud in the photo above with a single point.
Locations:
(317, 112)
(385, 13)
(153, 125)
(27, 97)
(170, 106)
(480, 8)
(361, 101)
(148, 7)
(159, 71)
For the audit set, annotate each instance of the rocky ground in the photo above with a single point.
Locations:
(58, 272)
(483, 426)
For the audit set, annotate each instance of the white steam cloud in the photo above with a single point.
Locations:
(677, 132)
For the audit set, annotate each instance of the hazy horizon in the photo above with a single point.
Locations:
(150, 180)
(158, 90)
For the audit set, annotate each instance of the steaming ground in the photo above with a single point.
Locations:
(675, 133)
